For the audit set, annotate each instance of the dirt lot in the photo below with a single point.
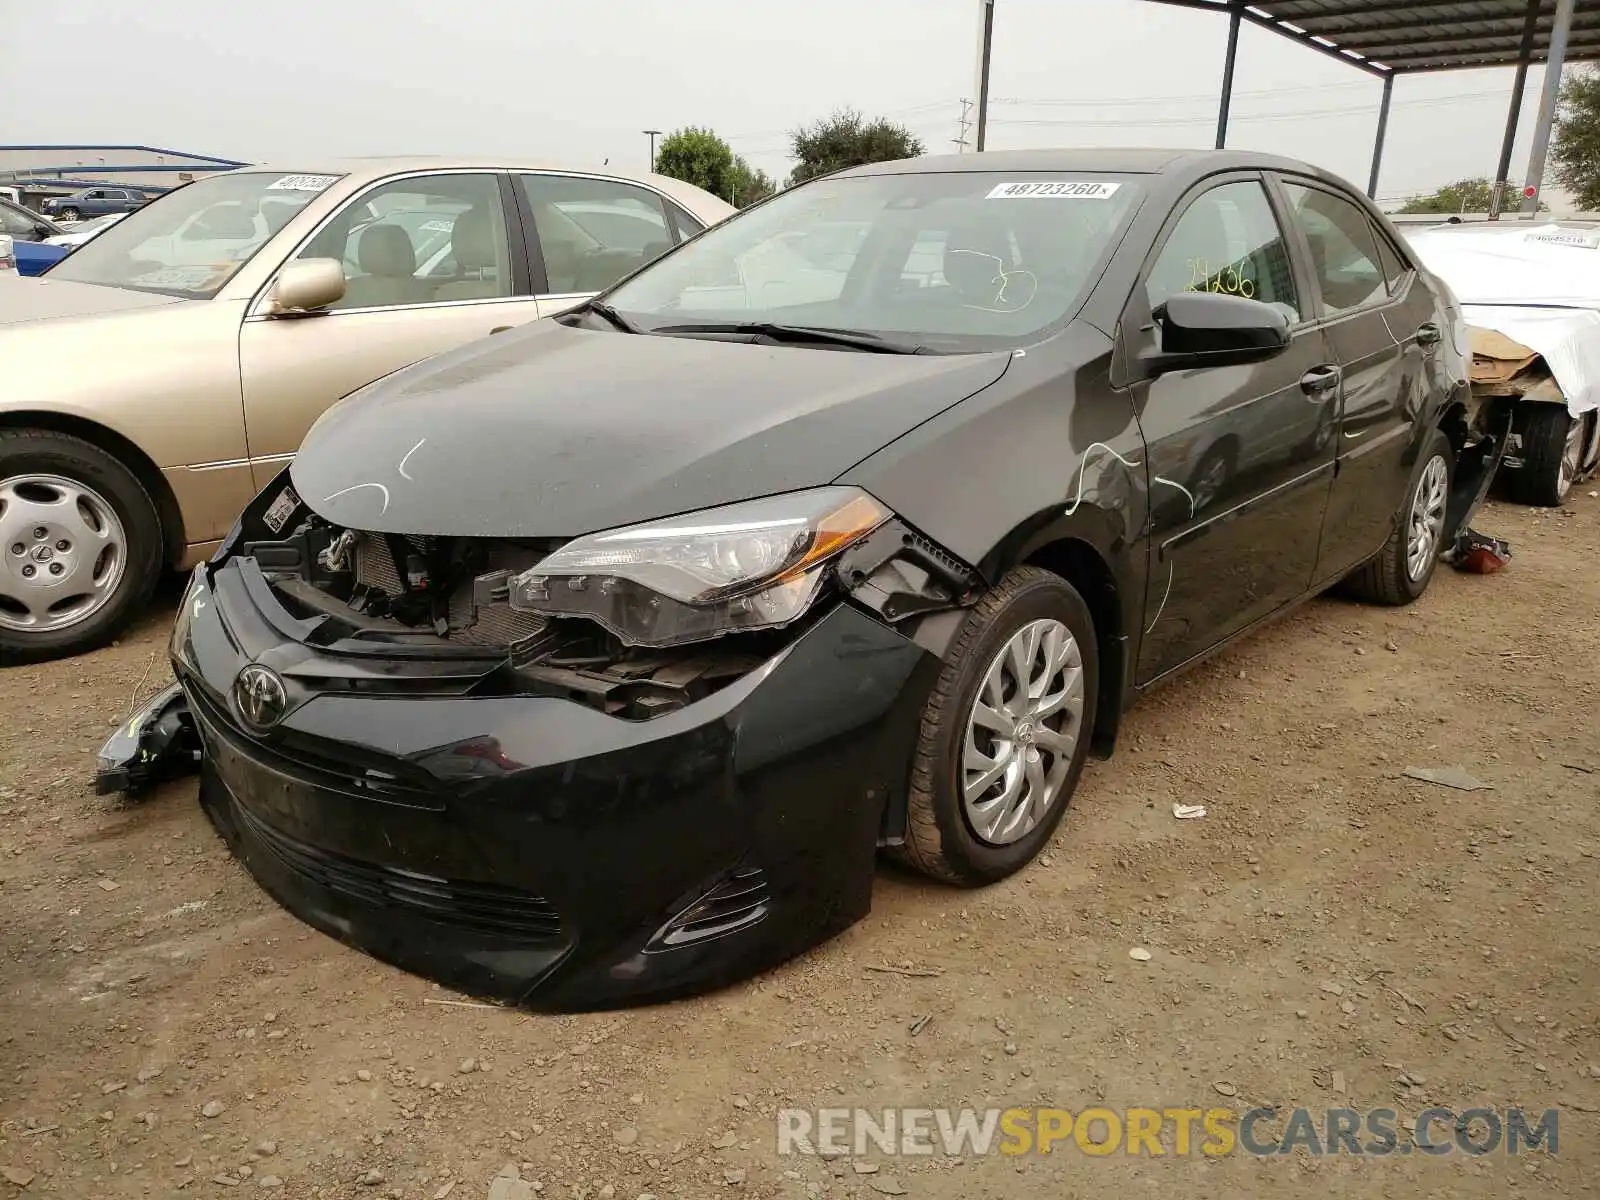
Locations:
(1328, 927)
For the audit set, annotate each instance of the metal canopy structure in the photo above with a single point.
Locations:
(1388, 38)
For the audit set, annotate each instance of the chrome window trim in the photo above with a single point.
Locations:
(253, 309)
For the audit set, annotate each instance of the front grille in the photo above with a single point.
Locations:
(496, 625)
(331, 766)
(739, 901)
(481, 907)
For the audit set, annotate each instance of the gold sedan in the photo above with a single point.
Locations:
(156, 378)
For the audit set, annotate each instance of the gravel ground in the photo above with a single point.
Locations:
(1330, 933)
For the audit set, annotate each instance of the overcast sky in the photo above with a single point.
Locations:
(577, 82)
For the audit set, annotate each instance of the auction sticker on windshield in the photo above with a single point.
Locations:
(1054, 189)
(301, 183)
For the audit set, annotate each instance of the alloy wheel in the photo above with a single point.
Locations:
(1426, 521)
(63, 553)
(1021, 732)
(1571, 456)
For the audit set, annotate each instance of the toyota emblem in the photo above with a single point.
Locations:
(261, 697)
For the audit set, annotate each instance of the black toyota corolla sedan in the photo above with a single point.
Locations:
(597, 661)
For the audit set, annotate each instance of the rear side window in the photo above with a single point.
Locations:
(592, 232)
(1344, 251)
(1227, 241)
(1394, 271)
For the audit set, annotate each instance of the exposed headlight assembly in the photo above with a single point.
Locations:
(755, 565)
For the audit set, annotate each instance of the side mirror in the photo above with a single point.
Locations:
(1212, 329)
(306, 285)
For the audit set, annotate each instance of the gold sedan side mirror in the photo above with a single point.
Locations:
(306, 285)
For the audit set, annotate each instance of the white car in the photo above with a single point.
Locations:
(1531, 294)
(84, 230)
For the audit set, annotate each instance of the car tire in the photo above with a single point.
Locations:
(70, 214)
(949, 835)
(1552, 455)
(39, 469)
(1395, 576)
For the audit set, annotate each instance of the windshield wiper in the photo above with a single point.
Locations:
(854, 338)
(601, 309)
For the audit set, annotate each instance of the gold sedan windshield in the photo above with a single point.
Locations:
(191, 241)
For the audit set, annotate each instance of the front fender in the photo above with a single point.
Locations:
(1049, 452)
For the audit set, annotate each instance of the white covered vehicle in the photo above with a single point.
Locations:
(1531, 296)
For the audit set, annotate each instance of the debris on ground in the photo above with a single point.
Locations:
(1478, 554)
(1188, 812)
(1450, 777)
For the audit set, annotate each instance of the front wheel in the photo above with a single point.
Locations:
(70, 214)
(1005, 732)
(1401, 570)
(1552, 455)
(80, 545)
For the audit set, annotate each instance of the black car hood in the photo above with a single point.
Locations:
(550, 431)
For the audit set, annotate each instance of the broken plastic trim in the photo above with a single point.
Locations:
(1476, 466)
(897, 573)
(157, 745)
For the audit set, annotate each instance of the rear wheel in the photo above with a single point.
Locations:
(1004, 733)
(1552, 455)
(80, 545)
(1401, 570)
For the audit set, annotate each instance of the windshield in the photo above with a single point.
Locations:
(952, 262)
(192, 240)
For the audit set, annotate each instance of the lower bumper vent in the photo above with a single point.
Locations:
(481, 907)
(738, 902)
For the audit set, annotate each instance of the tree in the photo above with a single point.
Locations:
(1576, 144)
(847, 139)
(748, 185)
(697, 156)
(1465, 195)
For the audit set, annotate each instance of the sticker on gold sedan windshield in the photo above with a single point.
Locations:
(1054, 189)
(301, 183)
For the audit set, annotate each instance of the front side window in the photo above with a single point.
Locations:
(1344, 256)
(1227, 241)
(955, 262)
(592, 232)
(16, 224)
(192, 240)
(424, 240)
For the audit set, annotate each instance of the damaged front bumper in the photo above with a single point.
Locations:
(158, 744)
(535, 848)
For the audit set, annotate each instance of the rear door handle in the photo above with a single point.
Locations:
(1428, 335)
(1319, 381)
(498, 329)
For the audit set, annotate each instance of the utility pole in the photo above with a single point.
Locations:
(653, 134)
(985, 43)
(966, 124)
(1548, 103)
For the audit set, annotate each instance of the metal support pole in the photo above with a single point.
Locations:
(985, 42)
(1234, 19)
(652, 134)
(1383, 128)
(1547, 107)
(1502, 174)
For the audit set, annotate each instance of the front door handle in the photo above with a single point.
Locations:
(1319, 381)
(1428, 335)
(498, 329)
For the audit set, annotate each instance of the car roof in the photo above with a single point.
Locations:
(362, 170)
(1123, 160)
